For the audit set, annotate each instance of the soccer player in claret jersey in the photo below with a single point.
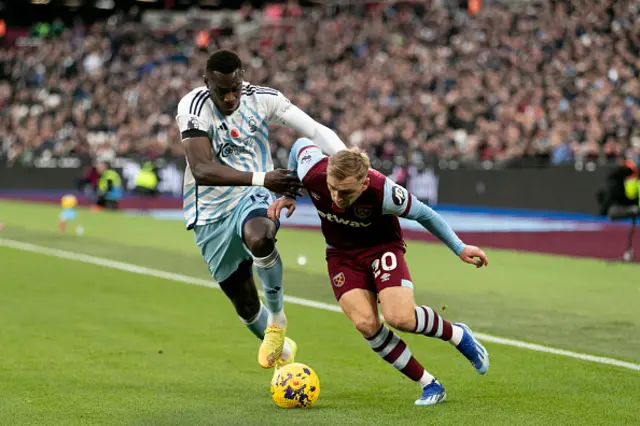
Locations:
(359, 210)
(228, 185)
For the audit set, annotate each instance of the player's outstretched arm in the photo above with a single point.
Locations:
(208, 172)
(322, 136)
(282, 111)
(399, 202)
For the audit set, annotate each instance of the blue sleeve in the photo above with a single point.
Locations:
(398, 201)
(303, 156)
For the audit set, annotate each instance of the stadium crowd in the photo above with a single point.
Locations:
(549, 83)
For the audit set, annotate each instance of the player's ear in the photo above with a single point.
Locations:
(365, 185)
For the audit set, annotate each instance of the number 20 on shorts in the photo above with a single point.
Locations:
(388, 262)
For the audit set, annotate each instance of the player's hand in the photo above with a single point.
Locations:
(474, 256)
(281, 182)
(281, 203)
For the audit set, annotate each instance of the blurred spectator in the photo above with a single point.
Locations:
(88, 183)
(110, 189)
(146, 183)
(621, 187)
(550, 82)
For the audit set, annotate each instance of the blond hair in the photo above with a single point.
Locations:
(351, 162)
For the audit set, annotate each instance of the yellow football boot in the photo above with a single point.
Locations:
(271, 348)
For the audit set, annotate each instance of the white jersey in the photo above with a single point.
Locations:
(239, 140)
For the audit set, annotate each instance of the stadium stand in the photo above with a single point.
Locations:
(543, 83)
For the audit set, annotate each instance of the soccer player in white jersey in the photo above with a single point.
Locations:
(229, 184)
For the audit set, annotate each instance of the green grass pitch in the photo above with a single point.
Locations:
(82, 344)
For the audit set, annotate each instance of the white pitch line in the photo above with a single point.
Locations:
(128, 267)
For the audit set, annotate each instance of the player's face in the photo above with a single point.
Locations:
(345, 192)
(225, 90)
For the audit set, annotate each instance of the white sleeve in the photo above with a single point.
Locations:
(280, 110)
(193, 116)
(275, 103)
(304, 155)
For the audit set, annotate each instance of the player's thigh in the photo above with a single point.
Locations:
(389, 269)
(347, 274)
(221, 247)
(394, 286)
(361, 306)
(353, 288)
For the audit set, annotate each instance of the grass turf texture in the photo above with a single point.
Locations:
(83, 344)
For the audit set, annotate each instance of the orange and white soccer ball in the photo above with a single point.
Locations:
(295, 385)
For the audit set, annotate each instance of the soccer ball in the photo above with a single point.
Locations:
(295, 385)
(69, 201)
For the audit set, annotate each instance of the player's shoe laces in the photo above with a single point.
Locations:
(271, 347)
(282, 362)
(432, 394)
(473, 350)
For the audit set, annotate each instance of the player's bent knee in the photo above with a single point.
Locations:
(398, 308)
(401, 319)
(260, 243)
(260, 246)
(367, 325)
(259, 236)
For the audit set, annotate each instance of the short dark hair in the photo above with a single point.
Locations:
(223, 61)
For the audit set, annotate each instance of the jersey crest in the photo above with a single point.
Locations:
(363, 212)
